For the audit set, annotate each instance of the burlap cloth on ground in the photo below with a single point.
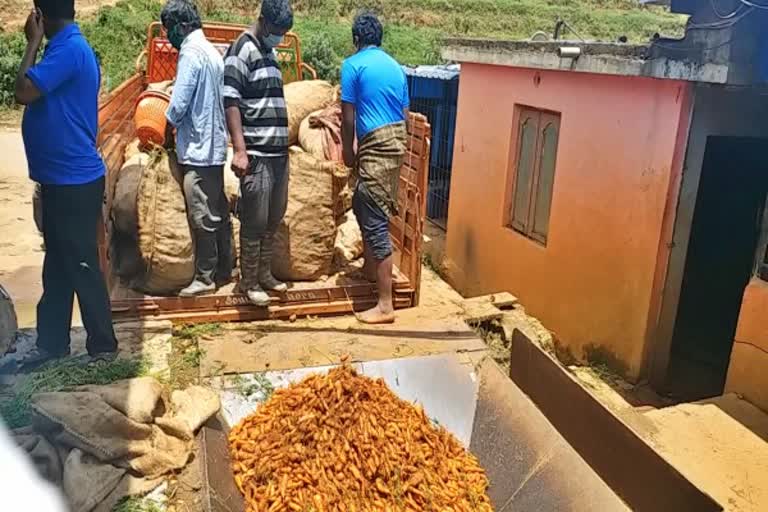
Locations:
(102, 443)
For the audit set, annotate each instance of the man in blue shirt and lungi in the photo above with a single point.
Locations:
(60, 126)
(374, 96)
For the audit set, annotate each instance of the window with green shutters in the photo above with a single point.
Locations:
(533, 172)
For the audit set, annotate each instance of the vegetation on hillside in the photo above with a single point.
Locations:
(413, 29)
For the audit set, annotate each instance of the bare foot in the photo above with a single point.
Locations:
(376, 316)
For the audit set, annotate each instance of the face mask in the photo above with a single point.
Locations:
(175, 37)
(272, 40)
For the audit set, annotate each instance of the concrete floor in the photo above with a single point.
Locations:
(720, 444)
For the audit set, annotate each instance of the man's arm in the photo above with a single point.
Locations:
(26, 91)
(406, 99)
(235, 75)
(187, 79)
(348, 111)
(407, 115)
(348, 133)
(235, 127)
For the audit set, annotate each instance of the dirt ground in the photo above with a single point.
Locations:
(13, 13)
(21, 254)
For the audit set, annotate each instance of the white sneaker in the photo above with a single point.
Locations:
(197, 288)
(274, 285)
(258, 297)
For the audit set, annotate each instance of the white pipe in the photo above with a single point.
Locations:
(569, 52)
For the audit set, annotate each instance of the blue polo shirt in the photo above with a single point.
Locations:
(375, 84)
(60, 127)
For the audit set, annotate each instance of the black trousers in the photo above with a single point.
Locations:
(70, 216)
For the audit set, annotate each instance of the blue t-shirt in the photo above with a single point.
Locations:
(376, 85)
(61, 126)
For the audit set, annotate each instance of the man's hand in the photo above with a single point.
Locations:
(349, 157)
(25, 91)
(33, 29)
(240, 163)
(170, 136)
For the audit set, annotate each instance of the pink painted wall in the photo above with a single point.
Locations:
(593, 283)
(748, 371)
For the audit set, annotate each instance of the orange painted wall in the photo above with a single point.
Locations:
(592, 284)
(748, 371)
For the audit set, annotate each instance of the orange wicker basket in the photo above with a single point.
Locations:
(150, 117)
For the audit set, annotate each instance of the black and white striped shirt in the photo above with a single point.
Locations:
(253, 82)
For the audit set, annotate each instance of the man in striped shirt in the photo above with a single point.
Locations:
(257, 118)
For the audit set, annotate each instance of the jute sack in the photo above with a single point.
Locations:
(165, 240)
(131, 149)
(303, 98)
(311, 139)
(124, 215)
(320, 133)
(303, 246)
(349, 242)
(8, 322)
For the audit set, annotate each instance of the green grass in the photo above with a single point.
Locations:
(193, 332)
(412, 29)
(260, 385)
(136, 504)
(62, 376)
(118, 34)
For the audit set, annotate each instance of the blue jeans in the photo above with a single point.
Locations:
(374, 223)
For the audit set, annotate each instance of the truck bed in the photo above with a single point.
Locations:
(336, 295)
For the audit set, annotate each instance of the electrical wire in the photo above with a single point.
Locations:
(723, 23)
(747, 343)
(725, 16)
(753, 4)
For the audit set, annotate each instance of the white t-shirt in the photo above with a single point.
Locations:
(21, 488)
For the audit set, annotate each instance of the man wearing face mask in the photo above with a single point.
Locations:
(197, 112)
(61, 94)
(257, 118)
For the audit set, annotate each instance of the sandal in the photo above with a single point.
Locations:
(39, 357)
(102, 357)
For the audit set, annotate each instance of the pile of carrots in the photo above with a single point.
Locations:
(345, 442)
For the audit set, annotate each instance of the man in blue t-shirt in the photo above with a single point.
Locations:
(60, 127)
(374, 96)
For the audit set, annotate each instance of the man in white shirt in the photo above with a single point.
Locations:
(197, 112)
